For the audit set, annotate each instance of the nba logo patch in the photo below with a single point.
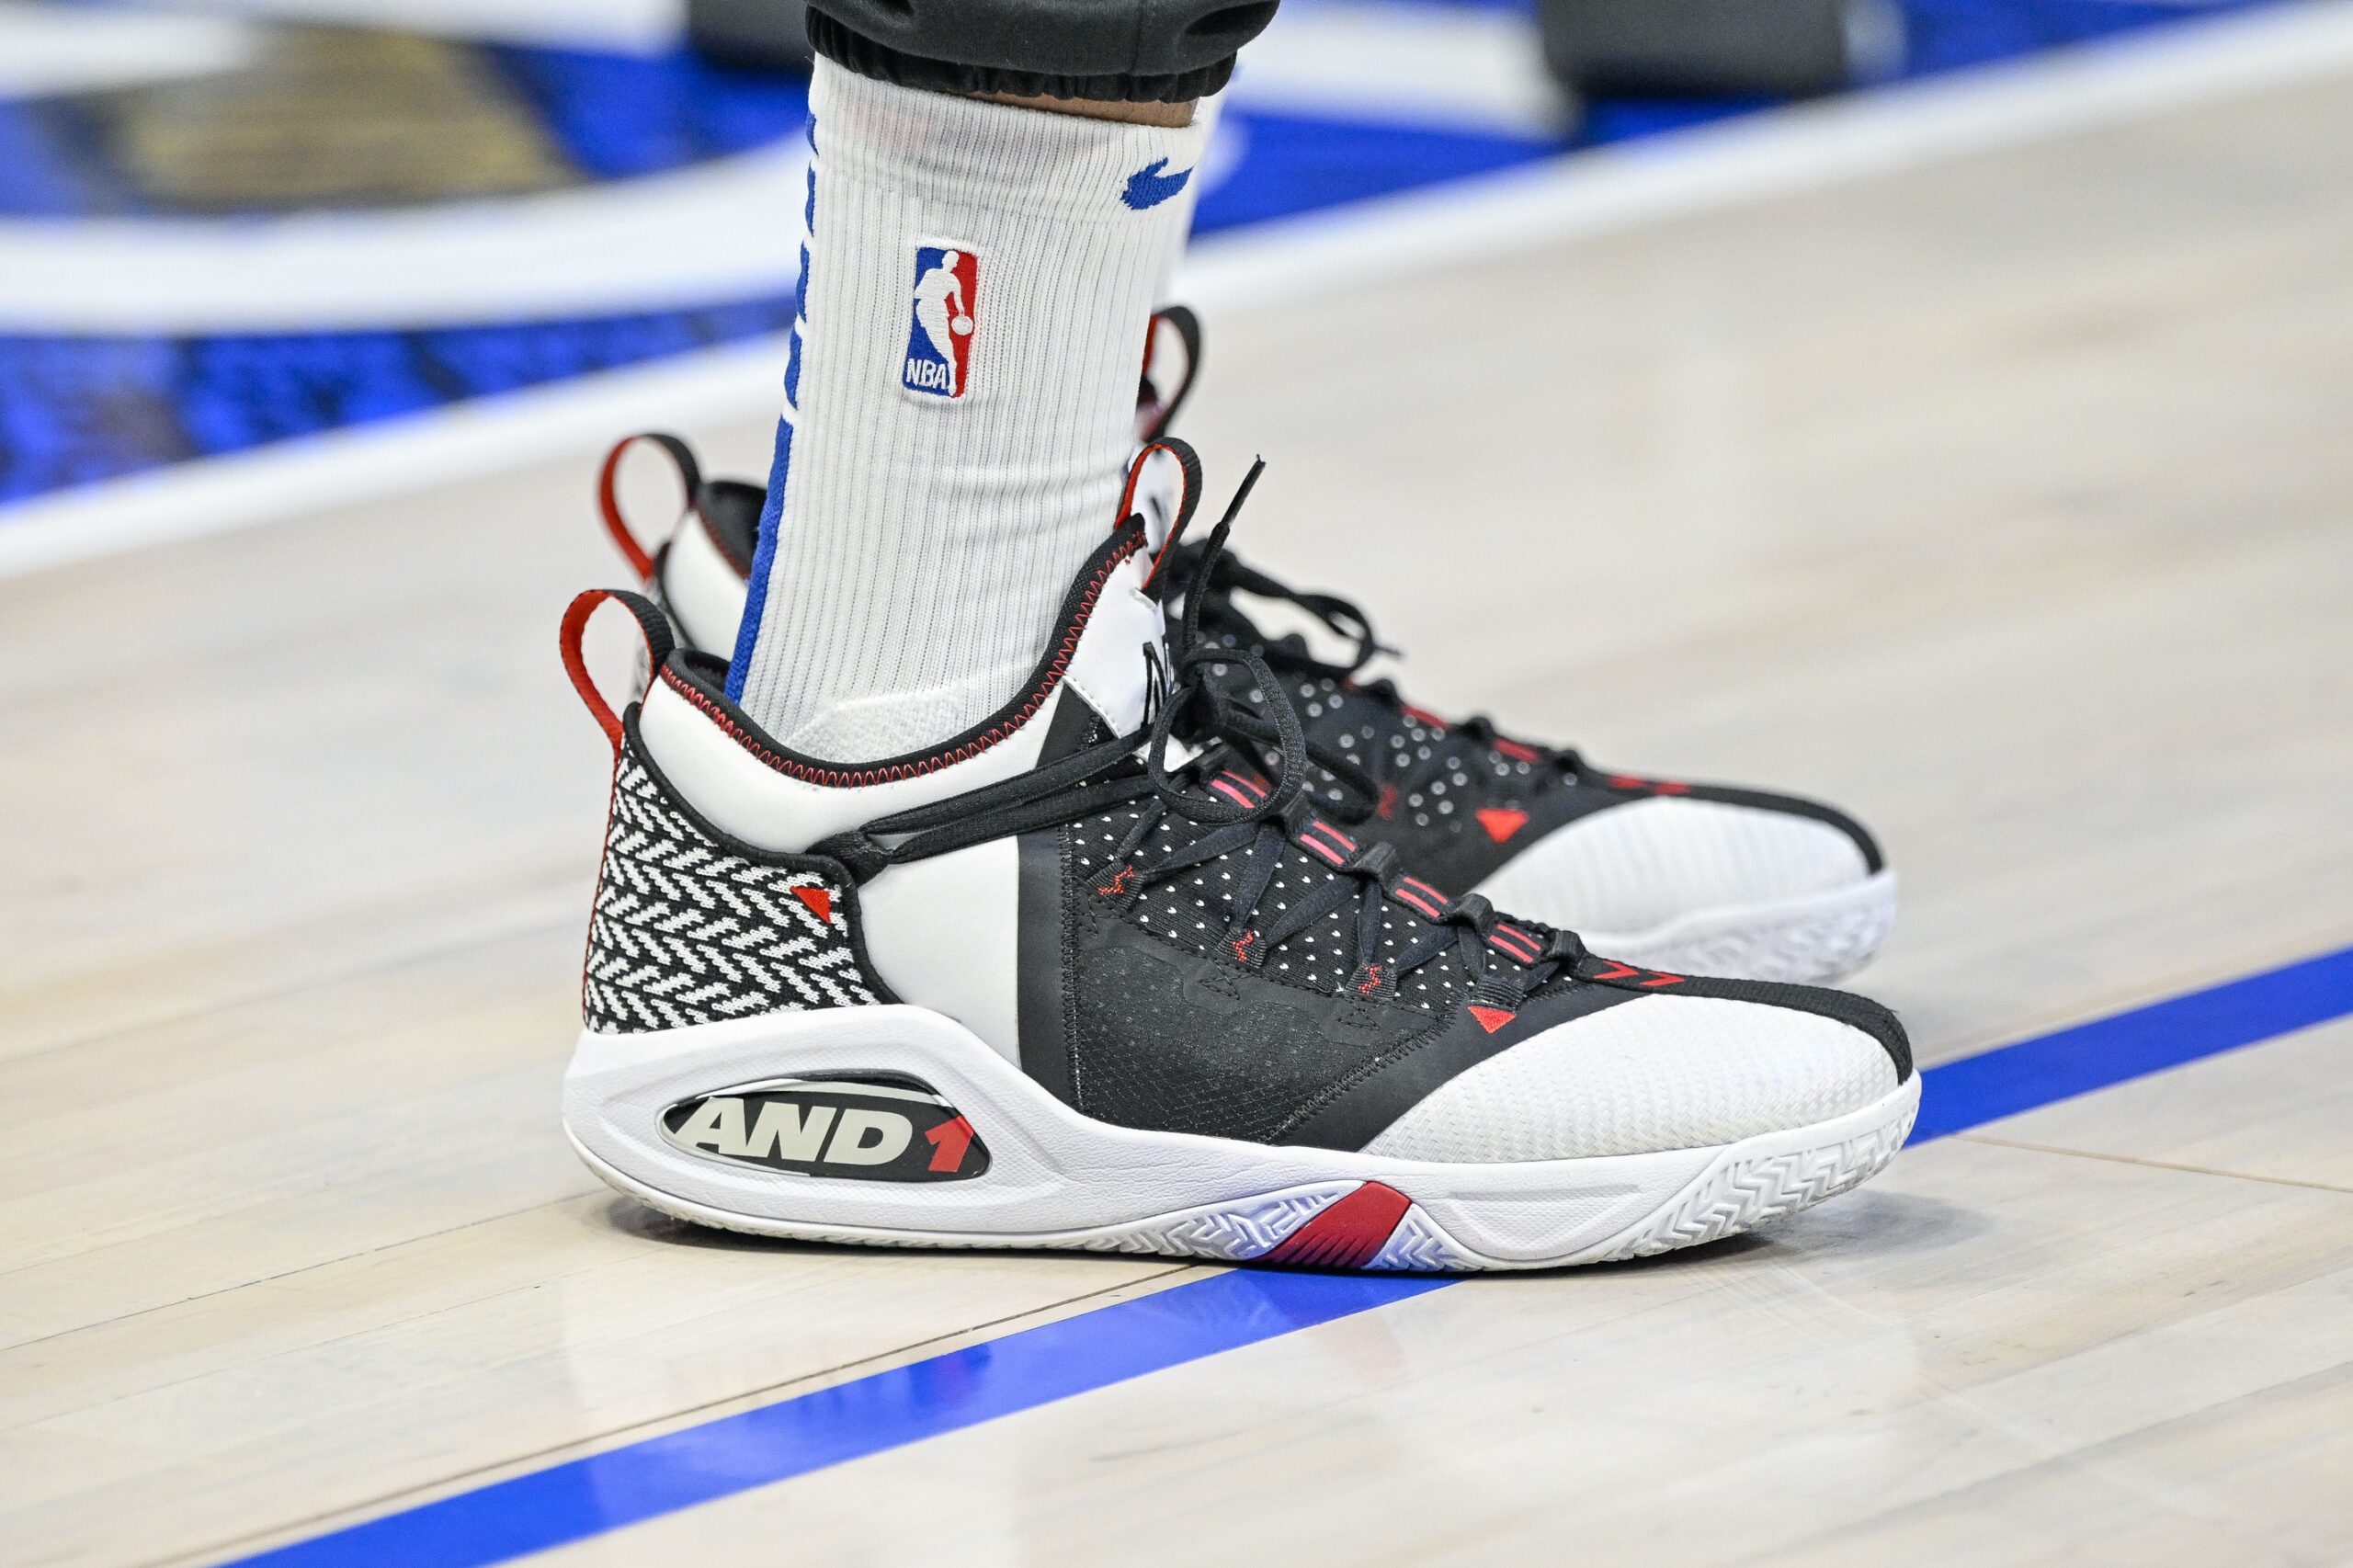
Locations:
(941, 319)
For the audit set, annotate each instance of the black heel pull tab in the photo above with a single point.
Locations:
(682, 459)
(651, 624)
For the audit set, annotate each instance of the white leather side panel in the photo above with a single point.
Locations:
(944, 934)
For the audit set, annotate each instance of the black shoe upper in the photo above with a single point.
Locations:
(1458, 798)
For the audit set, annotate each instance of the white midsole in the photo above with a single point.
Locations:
(1816, 939)
(1057, 1178)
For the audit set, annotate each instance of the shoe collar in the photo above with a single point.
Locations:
(1097, 670)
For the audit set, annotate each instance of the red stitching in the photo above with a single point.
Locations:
(840, 778)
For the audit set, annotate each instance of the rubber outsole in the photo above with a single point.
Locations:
(1350, 1211)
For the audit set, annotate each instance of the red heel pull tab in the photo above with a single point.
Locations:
(1189, 500)
(682, 459)
(651, 624)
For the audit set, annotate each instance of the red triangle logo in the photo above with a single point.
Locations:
(1491, 1019)
(1500, 821)
(819, 902)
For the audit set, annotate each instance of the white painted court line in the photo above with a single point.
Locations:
(1760, 156)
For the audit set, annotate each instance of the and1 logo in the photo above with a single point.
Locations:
(868, 1130)
(941, 321)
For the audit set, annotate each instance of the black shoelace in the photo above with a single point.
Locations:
(1217, 788)
(1214, 579)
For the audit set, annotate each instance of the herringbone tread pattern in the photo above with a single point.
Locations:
(1745, 1194)
(688, 932)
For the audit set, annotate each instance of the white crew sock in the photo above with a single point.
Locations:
(928, 510)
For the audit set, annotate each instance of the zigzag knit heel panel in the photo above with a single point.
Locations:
(687, 930)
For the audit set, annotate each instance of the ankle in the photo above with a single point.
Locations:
(1171, 117)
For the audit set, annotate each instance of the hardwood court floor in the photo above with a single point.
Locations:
(2009, 501)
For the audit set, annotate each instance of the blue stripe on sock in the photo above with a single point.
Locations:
(755, 598)
(1021, 1371)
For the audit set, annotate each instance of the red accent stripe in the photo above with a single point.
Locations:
(1406, 895)
(1252, 791)
(1423, 715)
(1518, 944)
(1516, 751)
(1327, 840)
(854, 779)
(1617, 972)
(1231, 791)
(1317, 825)
(1346, 1233)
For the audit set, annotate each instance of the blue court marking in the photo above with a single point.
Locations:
(889, 1410)
(1039, 1366)
(1994, 1083)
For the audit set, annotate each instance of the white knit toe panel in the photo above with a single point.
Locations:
(1631, 868)
(1655, 1072)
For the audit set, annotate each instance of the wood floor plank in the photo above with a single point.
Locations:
(1981, 1323)
(2280, 1113)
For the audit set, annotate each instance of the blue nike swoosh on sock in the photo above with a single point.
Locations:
(1149, 188)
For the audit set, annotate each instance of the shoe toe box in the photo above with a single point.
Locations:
(1658, 1072)
(1643, 864)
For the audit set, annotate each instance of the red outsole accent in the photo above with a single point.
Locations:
(854, 778)
(1346, 1233)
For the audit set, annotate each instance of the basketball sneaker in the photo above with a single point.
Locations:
(1691, 877)
(1095, 976)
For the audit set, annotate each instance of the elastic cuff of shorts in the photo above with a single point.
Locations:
(866, 58)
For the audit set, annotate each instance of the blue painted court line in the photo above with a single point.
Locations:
(2012, 1078)
(889, 1410)
(1039, 1366)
